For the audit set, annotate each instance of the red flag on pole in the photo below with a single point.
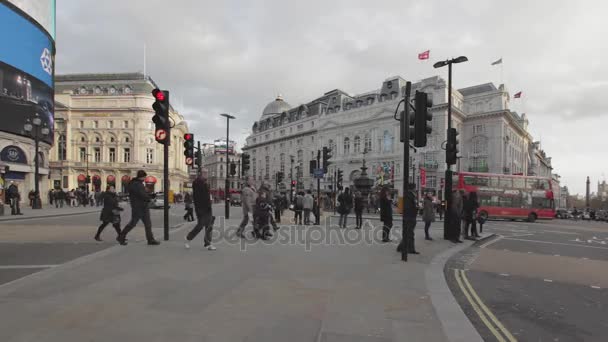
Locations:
(424, 55)
(422, 178)
(517, 95)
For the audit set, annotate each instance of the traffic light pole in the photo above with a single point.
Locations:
(318, 213)
(406, 170)
(166, 184)
(227, 184)
(447, 234)
(335, 190)
(199, 155)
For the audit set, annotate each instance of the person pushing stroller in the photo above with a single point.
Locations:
(262, 216)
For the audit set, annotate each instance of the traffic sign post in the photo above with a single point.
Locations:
(160, 135)
(318, 173)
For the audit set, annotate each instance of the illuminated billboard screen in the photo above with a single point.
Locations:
(220, 146)
(26, 72)
(43, 11)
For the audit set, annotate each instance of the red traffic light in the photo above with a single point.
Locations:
(158, 95)
(187, 136)
(294, 182)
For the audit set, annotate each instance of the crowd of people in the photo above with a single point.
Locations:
(73, 198)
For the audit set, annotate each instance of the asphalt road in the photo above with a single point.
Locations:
(544, 281)
(30, 245)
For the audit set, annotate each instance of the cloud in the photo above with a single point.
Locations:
(235, 56)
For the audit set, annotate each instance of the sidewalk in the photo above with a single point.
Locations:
(46, 211)
(356, 291)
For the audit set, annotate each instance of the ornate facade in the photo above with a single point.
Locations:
(103, 127)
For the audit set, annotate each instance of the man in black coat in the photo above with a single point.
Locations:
(204, 213)
(139, 199)
(410, 211)
(14, 198)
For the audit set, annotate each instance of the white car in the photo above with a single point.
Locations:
(586, 216)
(158, 202)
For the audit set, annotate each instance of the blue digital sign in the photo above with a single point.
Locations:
(25, 46)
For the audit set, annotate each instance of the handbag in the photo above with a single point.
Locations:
(292, 207)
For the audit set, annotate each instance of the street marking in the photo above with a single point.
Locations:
(504, 274)
(548, 280)
(16, 267)
(481, 309)
(492, 241)
(595, 287)
(555, 243)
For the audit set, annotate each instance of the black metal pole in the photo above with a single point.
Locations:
(227, 184)
(199, 156)
(335, 189)
(166, 186)
(291, 183)
(318, 219)
(36, 204)
(86, 181)
(447, 235)
(406, 163)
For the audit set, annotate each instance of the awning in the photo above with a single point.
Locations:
(111, 179)
(81, 178)
(150, 180)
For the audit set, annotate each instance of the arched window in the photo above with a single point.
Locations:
(127, 139)
(383, 97)
(346, 145)
(97, 139)
(61, 150)
(357, 147)
(83, 139)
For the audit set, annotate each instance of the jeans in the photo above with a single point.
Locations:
(343, 218)
(144, 216)
(59, 203)
(427, 225)
(410, 224)
(104, 224)
(244, 221)
(307, 216)
(15, 210)
(473, 224)
(386, 230)
(359, 218)
(207, 222)
(298, 215)
(189, 216)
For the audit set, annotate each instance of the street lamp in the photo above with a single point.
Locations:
(36, 129)
(448, 172)
(291, 188)
(227, 183)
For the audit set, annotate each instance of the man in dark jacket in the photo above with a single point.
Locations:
(410, 211)
(202, 207)
(139, 199)
(14, 198)
(110, 212)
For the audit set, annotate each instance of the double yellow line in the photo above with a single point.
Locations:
(487, 317)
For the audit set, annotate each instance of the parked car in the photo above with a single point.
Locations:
(158, 201)
(601, 215)
(586, 216)
(563, 214)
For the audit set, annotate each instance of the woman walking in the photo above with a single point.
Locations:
(470, 216)
(346, 203)
(110, 213)
(189, 216)
(428, 215)
(386, 214)
(359, 204)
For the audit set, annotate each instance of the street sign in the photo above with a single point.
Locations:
(189, 161)
(160, 134)
(318, 173)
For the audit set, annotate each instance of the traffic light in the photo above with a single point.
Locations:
(293, 183)
(312, 166)
(232, 168)
(280, 177)
(88, 180)
(244, 163)
(422, 119)
(340, 178)
(451, 149)
(161, 115)
(199, 158)
(189, 148)
(326, 157)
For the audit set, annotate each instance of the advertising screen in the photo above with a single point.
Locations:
(221, 146)
(26, 72)
(43, 11)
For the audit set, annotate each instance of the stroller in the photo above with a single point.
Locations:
(261, 219)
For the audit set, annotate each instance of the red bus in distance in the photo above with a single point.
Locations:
(509, 196)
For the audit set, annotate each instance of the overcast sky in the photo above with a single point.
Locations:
(235, 56)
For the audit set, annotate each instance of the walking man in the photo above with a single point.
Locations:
(248, 198)
(410, 210)
(139, 199)
(308, 205)
(14, 198)
(204, 213)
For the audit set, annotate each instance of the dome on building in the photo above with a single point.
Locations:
(277, 106)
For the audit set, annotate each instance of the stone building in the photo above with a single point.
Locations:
(103, 128)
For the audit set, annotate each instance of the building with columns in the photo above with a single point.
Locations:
(103, 128)
(492, 137)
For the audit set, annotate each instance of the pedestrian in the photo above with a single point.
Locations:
(189, 216)
(345, 204)
(455, 216)
(441, 209)
(262, 216)
(410, 211)
(204, 212)
(428, 215)
(359, 204)
(278, 207)
(267, 189)
(308, 206)
(51, 196)
(110, 212)
(14, 198)
(248, 198)
(31, 196)
(386, 214)
(299, 207)
(140, 210)
(470, 216)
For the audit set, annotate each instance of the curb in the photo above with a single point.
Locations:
(46, 216)
(455, 324)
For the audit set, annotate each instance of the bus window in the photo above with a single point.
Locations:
(541, 203)
(469, 180)
(485, 200)
(519, 183)
(544, 184)
(505, 182)
(530, 184)
(494, 182)
(505, 202)
(482, 181)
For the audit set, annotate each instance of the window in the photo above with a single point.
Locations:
(357, 148)
(255, 167)
(299, 142)
(282, 162)
(80, 124)
(282, 132)
(127, 139)
(383, 97)
(332, 146)
(519, 183)
(312, 139)
(312, 124)
(112, 139)
(300, 127)
(97, 139)
(125, 124)
(387, 142)
(83, 154)
(267, 170)
(83, 139)
(300, 157)
(370, 101)
(368, 143)
(126, 155)
(478, 129)
(149, 156)
(96, 124)
(480, 146)
(290, 130)
(61, 150)
(346, 145)
(97, 154)
(112, 155)
(431, 182)
(267, 136)
(110, 124)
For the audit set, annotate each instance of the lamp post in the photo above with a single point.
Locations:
(227, 183)
(449, 233)
(291, 184)
(37, 130)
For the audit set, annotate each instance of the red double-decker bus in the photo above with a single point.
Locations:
(509, 196)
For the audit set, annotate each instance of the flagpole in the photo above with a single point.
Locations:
(501, 74)
(144, 59)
